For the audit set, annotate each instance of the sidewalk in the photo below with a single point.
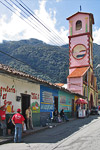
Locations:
(8, 139)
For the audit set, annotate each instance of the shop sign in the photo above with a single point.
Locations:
(9, 107)
(46, 101)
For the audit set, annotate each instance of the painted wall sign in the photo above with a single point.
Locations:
(7, 89)
(35, 95)
(62, 99)
(9, 107)
(47, 98)
(65, 100)
(35, 105)
(65, 107)
(47, 107)
(47, 101)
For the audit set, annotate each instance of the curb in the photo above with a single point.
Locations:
(33, 132)
(6, 141)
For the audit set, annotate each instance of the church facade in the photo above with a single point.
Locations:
(81, 78)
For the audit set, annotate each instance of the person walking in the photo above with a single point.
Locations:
(3, 119)
(29, 118)
(18, 121)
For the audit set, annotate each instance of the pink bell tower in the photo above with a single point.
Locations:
(81, 78)
(80, 40)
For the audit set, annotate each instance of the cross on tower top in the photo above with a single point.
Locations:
(80, 8)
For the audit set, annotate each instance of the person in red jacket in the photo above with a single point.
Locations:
(3, 119)
(18, 121)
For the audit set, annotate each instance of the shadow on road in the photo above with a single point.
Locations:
(58, 133)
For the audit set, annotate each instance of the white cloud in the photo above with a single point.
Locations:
(58, 1)
(17, 29)
(96, 35)
(50, 20)
(64, 34)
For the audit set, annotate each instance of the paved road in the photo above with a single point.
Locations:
(80, 134)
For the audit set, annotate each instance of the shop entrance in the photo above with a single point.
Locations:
(25, 103)
(73, 107)
(91, 102)
(56, 103)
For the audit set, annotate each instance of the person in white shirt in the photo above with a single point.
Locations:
(29, 118)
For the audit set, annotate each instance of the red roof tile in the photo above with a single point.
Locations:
(78, 72)
(82, 13)
(59, 84)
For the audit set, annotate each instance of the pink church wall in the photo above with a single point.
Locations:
(71, 70)
(79, 36)
(79, 40)
(74, 19)
(75, 85)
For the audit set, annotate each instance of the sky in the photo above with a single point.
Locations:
(46, 22)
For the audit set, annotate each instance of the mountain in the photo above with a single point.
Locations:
(40, 59)
(44, 61)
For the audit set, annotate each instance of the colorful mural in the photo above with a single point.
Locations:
(47, 98)
(35, 105)
(65, 101)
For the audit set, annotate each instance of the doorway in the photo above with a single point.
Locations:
(56, 103)
(72, 107)
(91, 102)
(25, 103)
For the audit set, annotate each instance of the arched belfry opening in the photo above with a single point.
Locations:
(79, 25)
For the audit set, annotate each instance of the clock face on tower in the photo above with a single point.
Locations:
(79, 51)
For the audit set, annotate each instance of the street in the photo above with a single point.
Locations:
(79, 134)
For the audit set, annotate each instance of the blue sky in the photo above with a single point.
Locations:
(53, 14)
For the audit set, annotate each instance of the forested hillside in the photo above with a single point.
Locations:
(41, 60)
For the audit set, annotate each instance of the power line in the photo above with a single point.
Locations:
(25, 20)
(54, 38)
(14, 58)
(21, 61)
(32, 15)
(32, 67)
(38, 19)
(39, 22)
(14, 12)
